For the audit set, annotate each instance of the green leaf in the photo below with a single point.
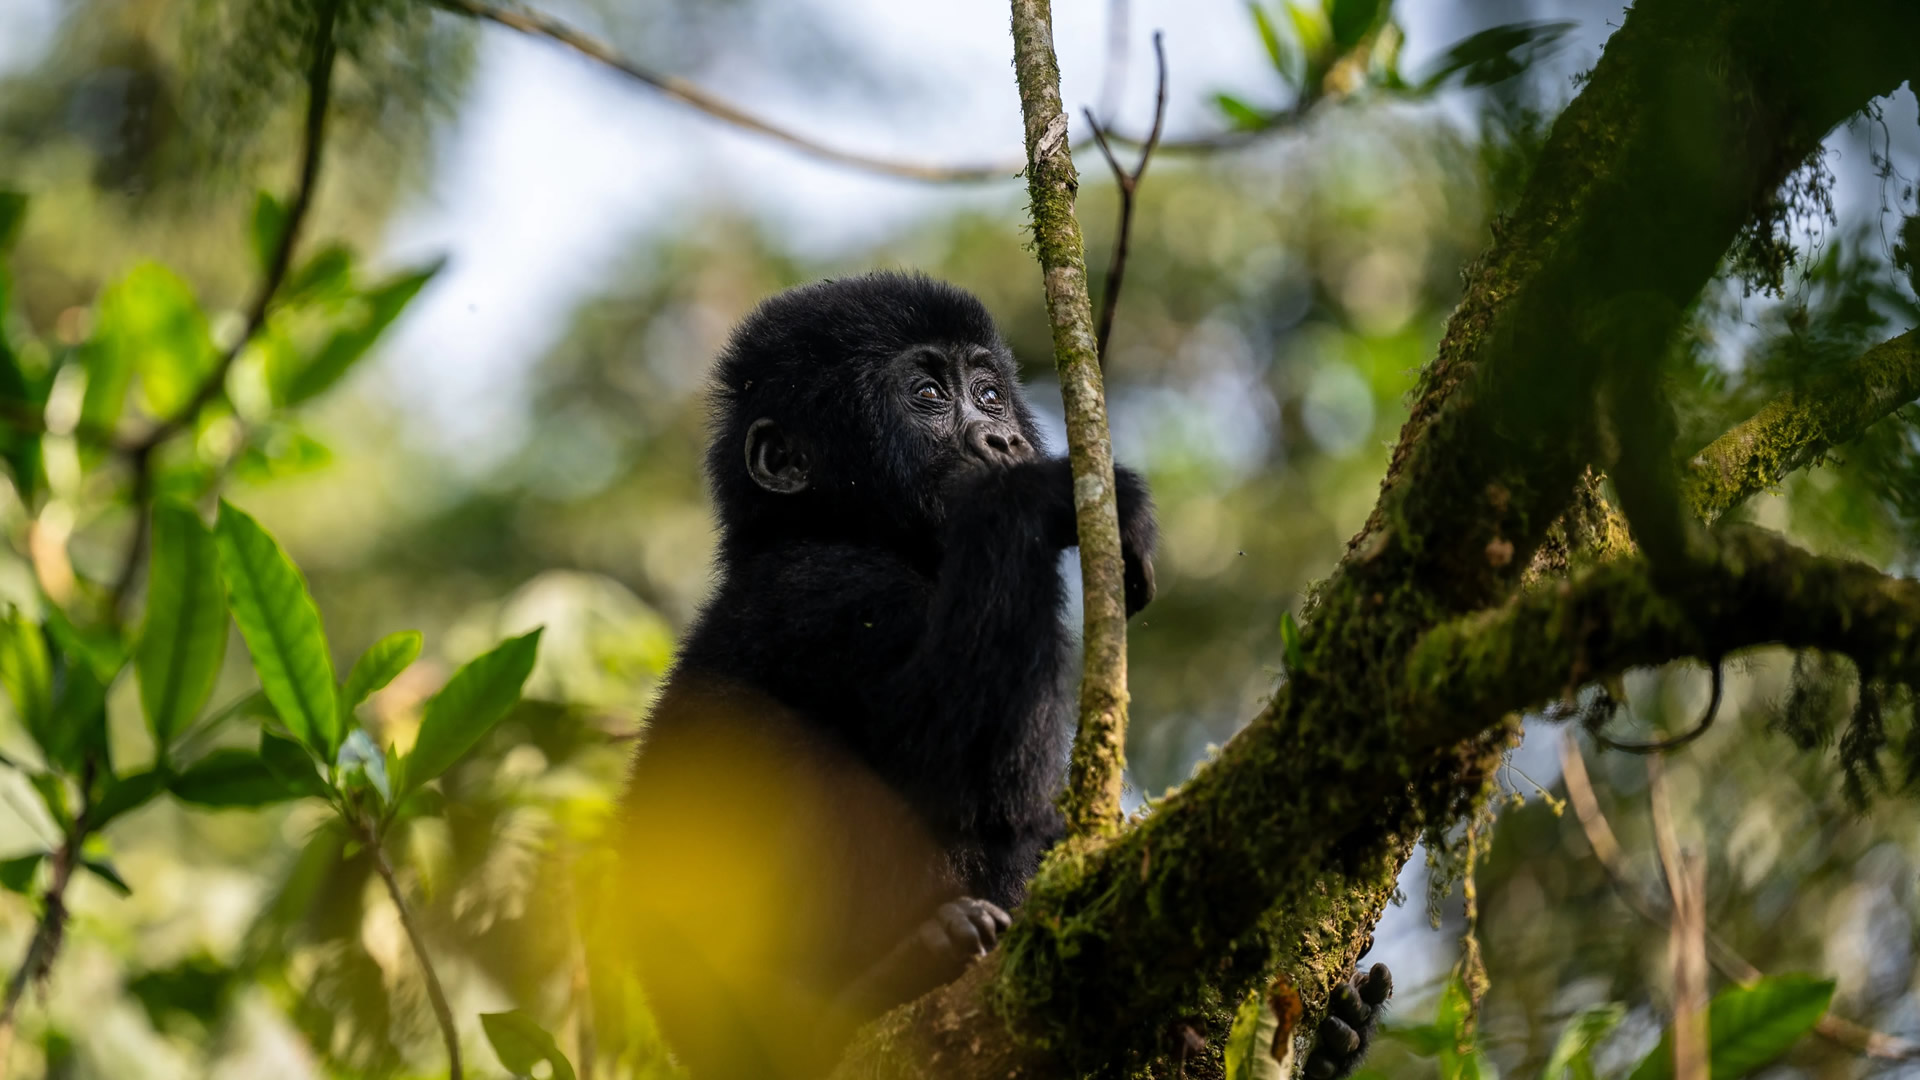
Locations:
(1310, 30)
(78, 727)
(327, 276)
(1572, 1057)
(1749, 1026)
(1240, 114)
(1461, 1057)
(1249, 1050)
(27, 674)
(465, 709)
(1290, 643)
(522, 1044)
(1279, 51)
(1352, 20)
(231, 777)
(126, 794)
(186, 629)
(1423, 1040)
(379, 307)
(100, 648)
(105, 871)
(16, 875)
(53, 795)
(379, 665)
(149, 323)
(1496, 54)
(291, 762)
(269, 225)
(281, 450)
(13, 216)
(282, 628)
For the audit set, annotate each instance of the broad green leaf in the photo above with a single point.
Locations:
(522, 1044)
(1240, 114)
(281, 451)
(1352, 20)
(78, 728)
(27, 673)
(186, 629)
(13, 215)
(327, 276)
(1749, 1026)
(53, 795)
(282, 628)
(379, 665)
(106, 872)
(126, 794)
(269, 225)
(363, 762)
(1572, 1057)
(1496, 54)
(100, 648)
(291, 762)
(16, 875)
(379, 306)
(148, 323)
(465, 709)
(231, 777)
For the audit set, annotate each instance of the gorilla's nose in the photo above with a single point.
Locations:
(997, 446)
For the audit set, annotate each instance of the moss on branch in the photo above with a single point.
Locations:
(1794, 429)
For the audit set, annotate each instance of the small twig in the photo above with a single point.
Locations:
(1661, 746)
(1606, 849)
(140, 452)
(1686, 933)
(687, 93)
(42, 947)
(1129, 182)
(436, 994)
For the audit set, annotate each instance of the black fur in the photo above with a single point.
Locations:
(888, 613)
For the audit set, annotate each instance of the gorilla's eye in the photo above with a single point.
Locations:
(928, 391)
(989, 396)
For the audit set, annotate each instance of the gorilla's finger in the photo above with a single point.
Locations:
(1321, 1068)
(1376, 986)
(1337, 1038)
(1346, 1004)
(962, 937)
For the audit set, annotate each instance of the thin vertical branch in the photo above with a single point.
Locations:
(139, 453)
(436, 994)
(1129, 183)
(1091, 803)
(1686, 934)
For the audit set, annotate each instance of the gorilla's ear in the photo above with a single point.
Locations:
(775, 461)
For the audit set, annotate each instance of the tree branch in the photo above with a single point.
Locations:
(1793, 430)
(687, 93)
(1128, 183)
(1091, 802)
(1281, 852)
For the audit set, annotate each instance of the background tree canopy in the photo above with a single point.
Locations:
(351, 410)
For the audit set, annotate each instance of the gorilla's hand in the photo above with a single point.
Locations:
(1352, 1011)
(1138, 535)
(963, 930)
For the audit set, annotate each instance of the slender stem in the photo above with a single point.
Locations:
(140, 452)
(42, 947)
(436, 994)
(1129, 184)
(1091, 802)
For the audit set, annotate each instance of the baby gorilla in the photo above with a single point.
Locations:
(849, 776)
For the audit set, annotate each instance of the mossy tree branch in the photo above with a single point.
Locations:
(1279, 855)
(1092, 799)
(1793, 430)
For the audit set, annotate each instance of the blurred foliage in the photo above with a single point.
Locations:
(1280, 300)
